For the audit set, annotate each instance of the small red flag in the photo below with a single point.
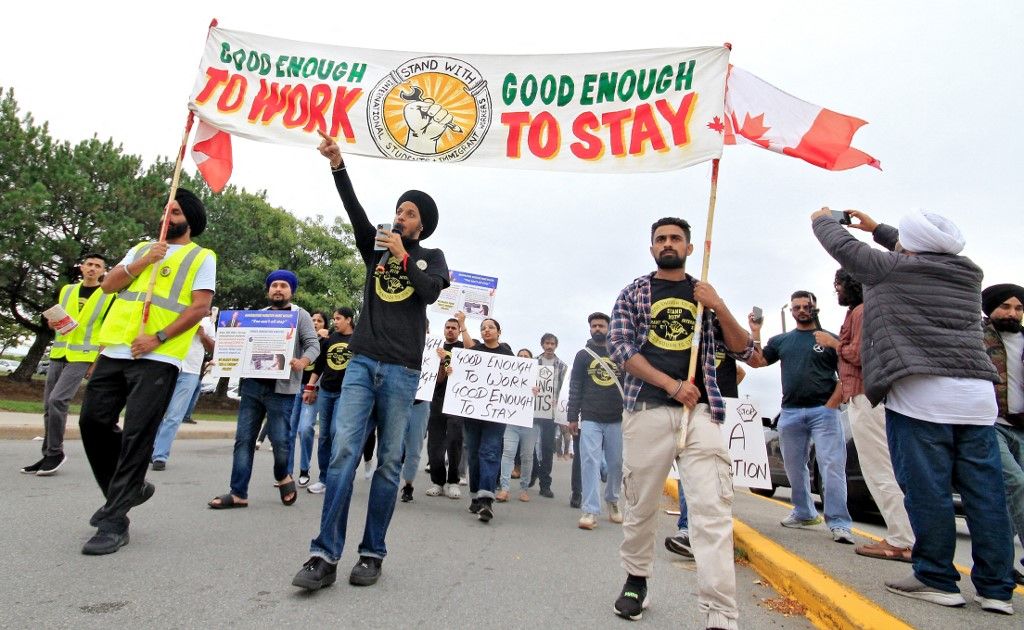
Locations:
(212, 154)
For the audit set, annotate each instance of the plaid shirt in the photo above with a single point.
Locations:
(627, 335)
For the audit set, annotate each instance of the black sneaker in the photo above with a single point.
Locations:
(680, 544)
(188, 421)
(485, 513)
(366, 572)
(147, 492)
(103, 543)
(547, 493)
(159, 465)
(474, 506)
(51, 464)
(1018, 577)
(32, 468)
(575, 501)
(632, 602)
(406, 493)
(315, 574)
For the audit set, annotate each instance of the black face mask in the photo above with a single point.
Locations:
(599, 337)
(1007, 325)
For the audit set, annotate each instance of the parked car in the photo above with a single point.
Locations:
(209, 385)
(858, 497)
(43, 366)
(7, 367)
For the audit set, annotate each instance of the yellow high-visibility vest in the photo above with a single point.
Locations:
(172, 294)
(79, 345)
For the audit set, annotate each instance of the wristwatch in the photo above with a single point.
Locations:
(162, 336)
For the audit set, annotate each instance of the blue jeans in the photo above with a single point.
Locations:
(259, 399)
(483, 441)
(522, 439)
(930, 460)
(600, 442)
(326, 405)
(684, 513)
(1011, 455)
(371, 389)
(301, 423)
(181, 401)
(798, 428)
(415, 432)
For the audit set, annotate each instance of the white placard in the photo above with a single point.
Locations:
(255, 344)
(544, 402)
(428, 371)
(743, 435)
(492, 387)
(561, 411)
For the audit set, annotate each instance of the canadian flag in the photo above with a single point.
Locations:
(212, 154)
(757, 112)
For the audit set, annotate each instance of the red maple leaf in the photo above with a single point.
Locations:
(717, 125)
(753, 129)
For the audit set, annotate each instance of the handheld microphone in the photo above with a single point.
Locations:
(382, 264)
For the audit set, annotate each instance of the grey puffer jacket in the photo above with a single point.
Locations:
(922, 313)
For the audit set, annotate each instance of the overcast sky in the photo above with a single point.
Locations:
(939, 82)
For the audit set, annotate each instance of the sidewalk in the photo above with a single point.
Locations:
(840, 588)
(17, 426)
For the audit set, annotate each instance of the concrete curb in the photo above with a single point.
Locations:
(830, 603)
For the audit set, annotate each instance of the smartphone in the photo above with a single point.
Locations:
(842, 216)
(383, 228)
(758, 315)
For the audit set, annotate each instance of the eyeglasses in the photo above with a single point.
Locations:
(803, 307)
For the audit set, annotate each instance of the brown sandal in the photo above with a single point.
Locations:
(883, 551)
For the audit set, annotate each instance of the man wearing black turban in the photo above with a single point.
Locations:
(1003, 305)
(402, 279)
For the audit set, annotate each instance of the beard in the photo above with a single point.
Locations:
(1007, 325)
(278, 302)
(176, 230)
(599, 337)
(670, 260)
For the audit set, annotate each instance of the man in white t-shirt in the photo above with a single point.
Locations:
(138, 368)
(923, 353)
(184, 391)
(1003, 305)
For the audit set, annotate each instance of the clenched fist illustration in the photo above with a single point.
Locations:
(427, 122)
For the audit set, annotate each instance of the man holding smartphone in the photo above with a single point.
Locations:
(382, 375)
(810, 398)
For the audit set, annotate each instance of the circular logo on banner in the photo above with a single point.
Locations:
(430, 108)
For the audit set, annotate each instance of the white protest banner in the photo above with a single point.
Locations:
(428, 371)
(561, 411)
(743, 434)
(544, 402)
(623, 111)
(470, 293)
(255, 344)
(492, 387)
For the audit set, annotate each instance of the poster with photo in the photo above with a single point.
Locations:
(255, 344)
(471, 293)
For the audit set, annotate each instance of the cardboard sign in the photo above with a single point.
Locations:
(743, 435)
(492, 387)
(428, 371)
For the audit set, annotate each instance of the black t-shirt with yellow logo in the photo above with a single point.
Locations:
(593, 394)
(333, 359)
(670, 340)
(84, 293)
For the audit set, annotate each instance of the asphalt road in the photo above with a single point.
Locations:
(188, 566)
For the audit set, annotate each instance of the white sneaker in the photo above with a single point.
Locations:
(912, 587)
(588, 521)
(434, 491)
(464, 481)
(1003, 607)
(453, 492)
(316, 488)
(614, 513)
(367, 470)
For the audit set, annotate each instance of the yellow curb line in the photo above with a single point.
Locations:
(966, 571)
(830, 603)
